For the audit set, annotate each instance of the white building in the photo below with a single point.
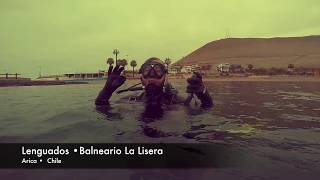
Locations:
(224, 68)
(174, 69)
(190, 68)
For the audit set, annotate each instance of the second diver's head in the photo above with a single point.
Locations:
(153, 76)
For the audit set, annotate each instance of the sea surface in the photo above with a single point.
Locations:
(275, 126)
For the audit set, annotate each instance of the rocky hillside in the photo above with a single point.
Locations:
(260, 52)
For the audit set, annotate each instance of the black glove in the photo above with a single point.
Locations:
(195, 84)
(115, 79)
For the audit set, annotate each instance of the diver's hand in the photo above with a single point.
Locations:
(115, 79)
(195, 84)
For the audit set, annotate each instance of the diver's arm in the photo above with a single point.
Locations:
(205, 98)
(196, 86)
(103, 97)
(115, 80)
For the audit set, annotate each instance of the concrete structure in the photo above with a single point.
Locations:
(75, 76)
(85, 75)
(9, 76)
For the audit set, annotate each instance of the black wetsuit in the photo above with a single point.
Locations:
(169, 96)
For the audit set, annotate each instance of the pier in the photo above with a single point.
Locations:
(7, 76)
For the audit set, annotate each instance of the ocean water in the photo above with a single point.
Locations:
(274, 125)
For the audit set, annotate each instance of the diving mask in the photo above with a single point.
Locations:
(153, 70)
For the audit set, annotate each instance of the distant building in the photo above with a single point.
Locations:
(205, 68)
(316, 71)
(223, 68)
(174, 69)
(190, 68)
(75, 76)
(230, 68)
(94, 75)
(236, 68)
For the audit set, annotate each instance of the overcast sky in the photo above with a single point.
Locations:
(78, 35)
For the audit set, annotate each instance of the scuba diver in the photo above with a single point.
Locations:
(157, 91)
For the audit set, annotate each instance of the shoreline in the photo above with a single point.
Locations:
(13, 83)
(266, 79)
(23, 82)
(256, 78)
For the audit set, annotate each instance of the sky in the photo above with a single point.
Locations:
(67, 36)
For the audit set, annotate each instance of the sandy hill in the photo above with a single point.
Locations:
(260, 52)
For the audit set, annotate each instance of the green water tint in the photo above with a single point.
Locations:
(271, 125)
